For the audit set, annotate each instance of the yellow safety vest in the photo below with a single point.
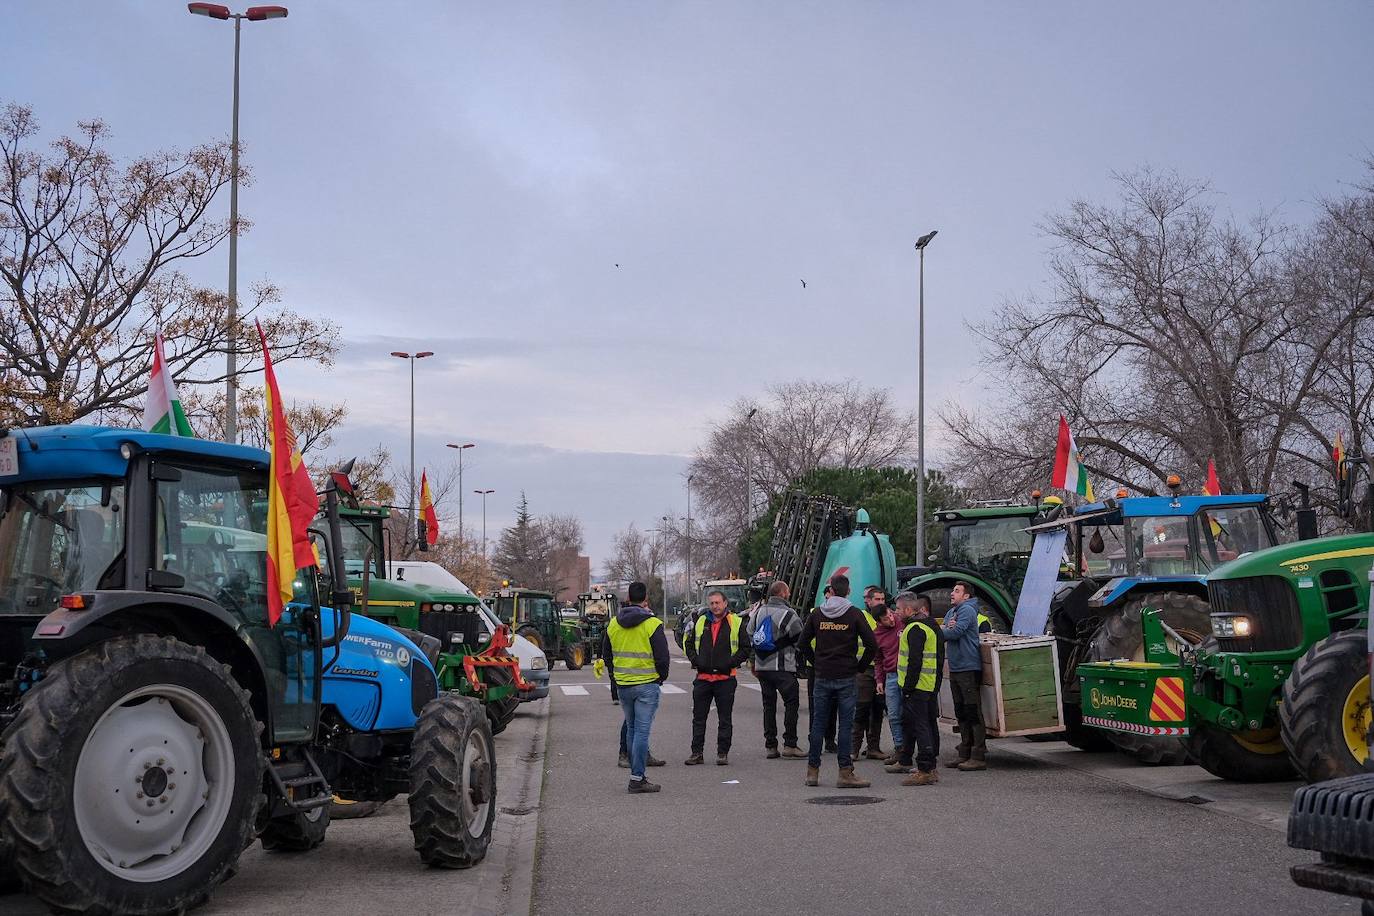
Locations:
(983, 619)
(632, 658)
(926, 679)
(734, 630)
(872, 625)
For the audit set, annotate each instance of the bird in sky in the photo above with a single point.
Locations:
(617, 265)
(803, 284)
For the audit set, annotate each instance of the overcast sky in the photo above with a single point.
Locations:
(464, 177)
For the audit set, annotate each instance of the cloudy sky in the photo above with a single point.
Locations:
(465, 177)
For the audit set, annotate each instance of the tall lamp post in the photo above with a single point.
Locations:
(484, 494)
(252, 14)
(749, 473)
(687, 588)
(921, 244)
(411, 358)
(462, 536)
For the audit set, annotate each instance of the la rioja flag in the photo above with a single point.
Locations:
(1069, 473)
(162, 411)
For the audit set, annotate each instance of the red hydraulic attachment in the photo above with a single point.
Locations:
(494, 656)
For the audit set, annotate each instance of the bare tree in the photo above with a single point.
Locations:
(89, 270)
(1173, 336)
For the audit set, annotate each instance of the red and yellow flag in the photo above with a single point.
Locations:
(427, 511)
(1338, 455)
(291, 500)
(1213, 485)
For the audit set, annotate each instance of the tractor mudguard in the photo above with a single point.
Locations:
(380, 680)
(65, 632)
(1116, 590)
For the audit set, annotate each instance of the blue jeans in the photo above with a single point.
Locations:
(828, 693)
(638, 703)
(893, 694)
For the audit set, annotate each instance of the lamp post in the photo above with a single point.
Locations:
(687, 587)
(462, 536)
(749, 472)
(921, 244)
(484, 494)
(663, 549)
(401, 354)
(252, 14)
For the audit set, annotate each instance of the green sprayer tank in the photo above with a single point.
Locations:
(866, 557)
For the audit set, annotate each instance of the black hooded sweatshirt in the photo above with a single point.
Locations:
(632, 615)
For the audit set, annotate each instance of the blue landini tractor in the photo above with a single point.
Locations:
(155, 723)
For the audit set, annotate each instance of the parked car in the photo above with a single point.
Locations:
(534, 667)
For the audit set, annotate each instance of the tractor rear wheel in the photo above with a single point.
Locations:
(574, 656)
(452, 782)
(533, 636)
(1084, 737)
(132, 777)
(500, 712)
(1121, 636)
(1257, 756)
(1325, 716)
(298, 832)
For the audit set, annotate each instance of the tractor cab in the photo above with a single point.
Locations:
(534, 615)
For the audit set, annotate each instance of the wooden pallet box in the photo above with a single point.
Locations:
(1021, 690)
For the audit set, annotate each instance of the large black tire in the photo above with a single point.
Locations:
(1327, 685)
(1253, 757)
(296, 832)
(574, 655)
(500, 712)
(533, 636)
(452, 783)
(1084, 737)
(343, 809)
(1121, 636)
(108, 694)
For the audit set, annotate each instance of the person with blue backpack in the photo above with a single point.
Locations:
(773, 631)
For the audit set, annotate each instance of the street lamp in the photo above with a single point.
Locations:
(462, 537)
(921, 244)
(484, 494)
(401, 354)
(687, 588)
(663, 549)
(252, 14)
(749, 472)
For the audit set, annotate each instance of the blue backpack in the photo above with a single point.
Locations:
(763, 636)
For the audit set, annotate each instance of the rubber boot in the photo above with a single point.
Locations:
(813, 776)
(848, 780)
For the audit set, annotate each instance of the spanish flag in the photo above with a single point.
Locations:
(1213, 485)
(427, 511)
(1338, 455)
(291, 500)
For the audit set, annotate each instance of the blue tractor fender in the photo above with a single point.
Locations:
(1118, 590)
(380, 680)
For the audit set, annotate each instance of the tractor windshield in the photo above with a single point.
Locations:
(56, 540)
(536, 608)
(359, 536)
(997, 549)
(1230, 532)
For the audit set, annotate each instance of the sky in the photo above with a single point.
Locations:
(598, 214)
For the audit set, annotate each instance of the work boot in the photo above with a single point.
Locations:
(624, 763)
(640, 786)
(875, 753)
(971, 765)
(934, 776)
(793, 753)
(813, 776)
(695, 760)
(954, 762)
(722, 759)
(772, 754)
(848, 780)
(890, 759)
(653, 761)
(895, 767)
(920, 779)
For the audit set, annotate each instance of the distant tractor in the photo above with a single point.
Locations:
(736, 596)
(596, 609)
(534, 615)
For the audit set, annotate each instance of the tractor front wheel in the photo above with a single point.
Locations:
(1257, 756)
(533, 636)
(500, 712)
(1121, 636)
(299, 832)
(452, 783)
(574, 656)
(1325, 716)
(132, 777)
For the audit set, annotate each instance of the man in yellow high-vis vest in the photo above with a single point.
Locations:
(920, 663)
(637, 660)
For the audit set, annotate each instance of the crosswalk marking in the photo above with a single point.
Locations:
(751, 686)
(671, 688)
(573, 690)
(681, 661)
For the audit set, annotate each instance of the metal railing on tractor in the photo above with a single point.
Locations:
(803, 531)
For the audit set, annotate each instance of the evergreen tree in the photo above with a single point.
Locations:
(522, 555)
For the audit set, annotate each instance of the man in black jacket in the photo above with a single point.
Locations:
(715, 648)
(843, 645)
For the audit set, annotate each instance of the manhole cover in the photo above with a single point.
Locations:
(844, 800)
(517, 811)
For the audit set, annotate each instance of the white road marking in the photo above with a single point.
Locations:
(672, 688)
(573, 690)
(681, 661)
(751, 686)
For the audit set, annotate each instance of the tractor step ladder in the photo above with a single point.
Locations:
(289, 780)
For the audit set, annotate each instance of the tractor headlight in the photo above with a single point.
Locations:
(1231, 626)
(539, 663)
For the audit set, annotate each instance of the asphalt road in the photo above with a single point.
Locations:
(1030, 835)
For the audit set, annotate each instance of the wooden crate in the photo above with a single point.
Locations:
(1021, 690)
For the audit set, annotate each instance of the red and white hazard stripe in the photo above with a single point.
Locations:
(1156, 731)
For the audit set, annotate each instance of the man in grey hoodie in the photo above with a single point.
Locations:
(776, 669)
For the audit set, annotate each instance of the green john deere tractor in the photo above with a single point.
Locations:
(534, 615)
(596, 609)
(1281, 683)
(473, 660)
